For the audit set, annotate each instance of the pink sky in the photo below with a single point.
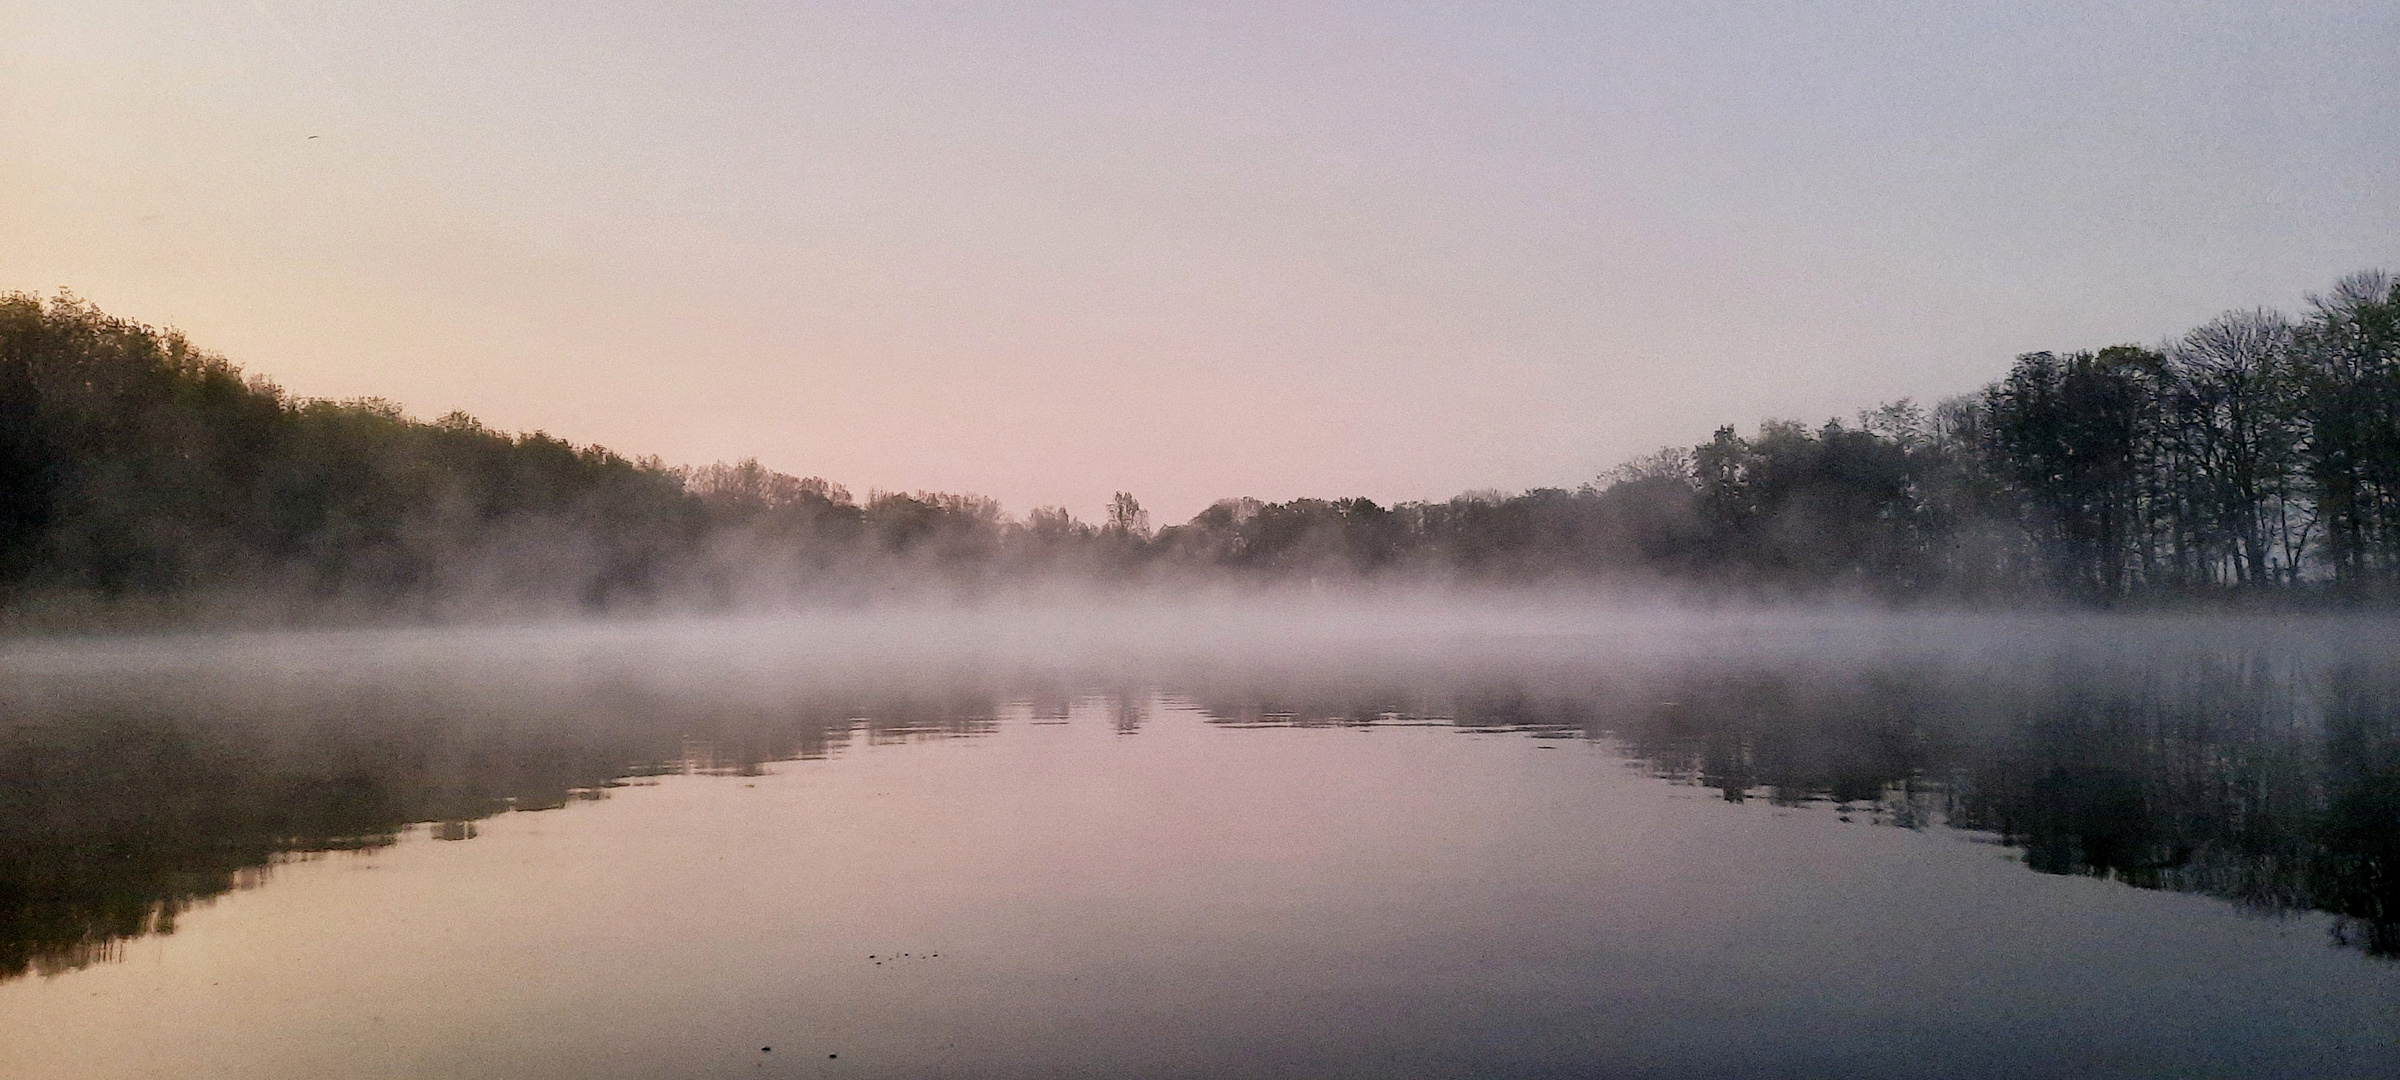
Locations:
(1190, 250)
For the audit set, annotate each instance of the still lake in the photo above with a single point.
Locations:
(1373, 841)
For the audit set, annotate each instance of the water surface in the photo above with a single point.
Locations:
(1032, 848)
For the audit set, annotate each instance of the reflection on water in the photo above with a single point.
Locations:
(116, 817)
(2264, 776)
(2240, 777)
(2245, 777)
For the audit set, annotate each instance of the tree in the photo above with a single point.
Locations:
(2236, 421)
(1127, 518)
(2065, 431)
(2348, 360)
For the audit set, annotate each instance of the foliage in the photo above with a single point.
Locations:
(2255, 455)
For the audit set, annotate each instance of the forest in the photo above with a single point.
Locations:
(2255, 458)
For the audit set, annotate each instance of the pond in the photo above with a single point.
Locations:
(1396, 841)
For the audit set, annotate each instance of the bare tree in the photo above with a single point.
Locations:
(2234, 404)
(2349, 358)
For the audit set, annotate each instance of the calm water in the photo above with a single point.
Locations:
(1348, 844)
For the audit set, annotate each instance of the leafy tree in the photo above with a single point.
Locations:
(2065, 431)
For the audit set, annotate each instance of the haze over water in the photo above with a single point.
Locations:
(1319, 839)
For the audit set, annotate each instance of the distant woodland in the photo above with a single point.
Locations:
(2256, 457)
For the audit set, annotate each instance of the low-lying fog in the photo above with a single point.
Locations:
(697, 654)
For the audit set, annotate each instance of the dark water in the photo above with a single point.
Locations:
(1351, 845)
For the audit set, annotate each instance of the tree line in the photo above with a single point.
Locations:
(2257, 455)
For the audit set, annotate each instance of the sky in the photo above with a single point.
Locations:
(1046, 252)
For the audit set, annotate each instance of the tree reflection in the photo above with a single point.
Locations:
(2245, 776)
(110, 828)
(2241, 777)
(2229, 777)
(114, 821)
